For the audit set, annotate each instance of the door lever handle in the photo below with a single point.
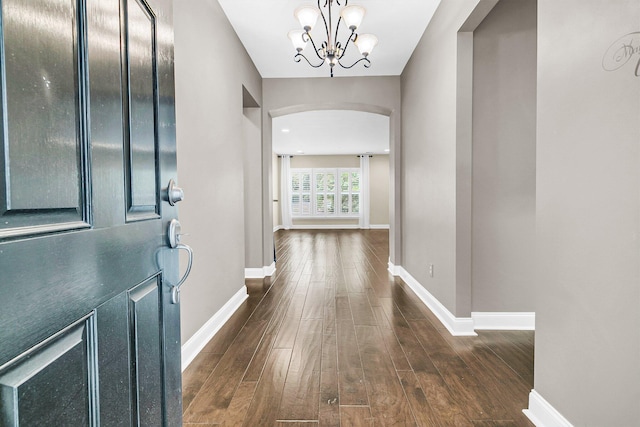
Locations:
(174, 243)
(175, 289)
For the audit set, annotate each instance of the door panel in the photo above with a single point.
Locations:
(49, 385)
(144, 306)
(140, 100)
(42, 99)
(106, 112)
(114, 367)
(88, 334)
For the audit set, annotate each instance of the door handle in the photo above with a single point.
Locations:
(174, 236)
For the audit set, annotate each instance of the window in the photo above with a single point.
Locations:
(325, 192)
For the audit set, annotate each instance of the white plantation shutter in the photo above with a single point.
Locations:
(325, 190)
(325, 193)
(300, 192)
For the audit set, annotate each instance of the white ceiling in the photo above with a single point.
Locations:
(331, 132)
(262, 26)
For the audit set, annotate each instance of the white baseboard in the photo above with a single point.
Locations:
(508, 321)
(542, 414)
(379, 226)
(457, 326)
(254, 273)
(260, 273)
(393, 269)
(331, 227)
(325, 227)
(465, 326)
(196, 343)
(270, 270)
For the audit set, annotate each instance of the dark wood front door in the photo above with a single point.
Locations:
(88, 332)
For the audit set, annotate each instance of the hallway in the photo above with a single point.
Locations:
(332, 339)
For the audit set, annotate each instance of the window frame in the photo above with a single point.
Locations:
(313, 211)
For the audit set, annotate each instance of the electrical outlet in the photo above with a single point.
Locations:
(431, 270)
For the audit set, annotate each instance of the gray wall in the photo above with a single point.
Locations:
(588, 214)
(379, 182)
(252, 135)
(504, 158)
(586, 290)
(429, 162)
(209, 120)
(325, 161)
(379, 95)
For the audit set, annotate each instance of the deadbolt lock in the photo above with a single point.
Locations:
(175, 194)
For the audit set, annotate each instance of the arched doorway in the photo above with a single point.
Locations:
(334, 152)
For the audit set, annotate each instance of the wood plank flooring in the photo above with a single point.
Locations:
(334, 340)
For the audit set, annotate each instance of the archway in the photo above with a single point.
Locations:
(394, 156)
(378, 95)
(328, 147)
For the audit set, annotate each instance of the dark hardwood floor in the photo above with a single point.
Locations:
(334, 340)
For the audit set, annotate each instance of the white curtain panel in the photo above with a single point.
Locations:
(364, 192)
(285, 190)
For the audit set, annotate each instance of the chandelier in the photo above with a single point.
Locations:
(331, 50)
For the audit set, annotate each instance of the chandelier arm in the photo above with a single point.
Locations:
(366, 64)
(315, 48)
(298, 55)
(352, 38)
